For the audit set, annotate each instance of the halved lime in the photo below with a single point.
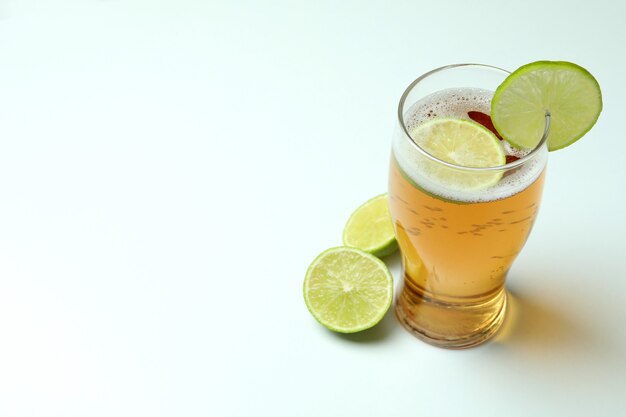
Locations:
(370, 228)
(568, 92)
(464, 143)
(347, 290)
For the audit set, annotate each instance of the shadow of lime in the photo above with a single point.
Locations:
(393, 261)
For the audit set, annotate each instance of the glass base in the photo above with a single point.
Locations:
(451, 325)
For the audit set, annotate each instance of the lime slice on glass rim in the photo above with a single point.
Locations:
(462, 143)
(347, 290)
(566, 91)
(370, 228)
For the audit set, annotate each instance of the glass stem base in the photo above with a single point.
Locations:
(450, 325)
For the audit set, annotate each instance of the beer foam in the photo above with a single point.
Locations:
(456, 103)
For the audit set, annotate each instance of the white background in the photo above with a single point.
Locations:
(168, 170)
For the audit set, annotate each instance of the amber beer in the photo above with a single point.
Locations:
(456, 256)
(457, 245)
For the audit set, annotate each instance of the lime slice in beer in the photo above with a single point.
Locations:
(347, 290)
(462, 143)
(370, 228)
(568, 92)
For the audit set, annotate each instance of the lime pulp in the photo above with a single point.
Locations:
(347, 290)
(370, 228)
(566, 91)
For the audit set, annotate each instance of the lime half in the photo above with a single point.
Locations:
(463, 143)
(370, 228)
(347, 290)
(568, 92)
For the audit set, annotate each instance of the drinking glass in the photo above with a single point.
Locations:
(458, 242)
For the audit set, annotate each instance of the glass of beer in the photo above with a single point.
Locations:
(458, 242)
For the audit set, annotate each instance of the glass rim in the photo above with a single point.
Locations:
(510, 165)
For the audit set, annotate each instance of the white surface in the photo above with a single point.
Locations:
(169, 169)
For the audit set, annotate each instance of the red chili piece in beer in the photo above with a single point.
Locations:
(485, 120)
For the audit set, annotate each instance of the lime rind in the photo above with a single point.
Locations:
(568, 92)
(331, 313)
(390, 247)
(370, 228)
